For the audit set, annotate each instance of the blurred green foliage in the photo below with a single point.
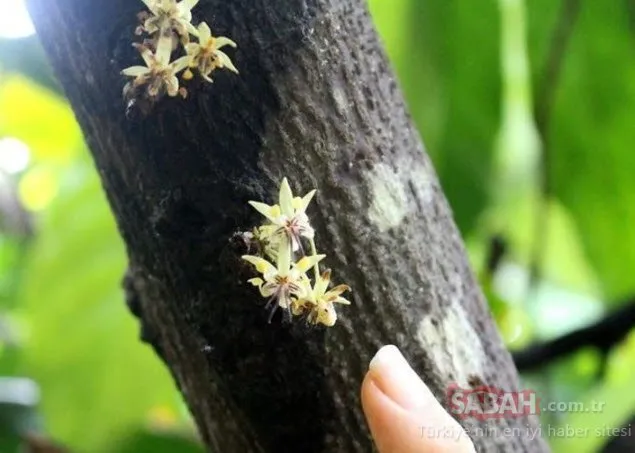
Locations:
(63, 323)
(591, 132)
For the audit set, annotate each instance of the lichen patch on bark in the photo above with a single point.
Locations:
(392, 188)
(453, 344)
(389, 202)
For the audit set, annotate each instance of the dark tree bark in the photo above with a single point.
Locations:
(316, 101)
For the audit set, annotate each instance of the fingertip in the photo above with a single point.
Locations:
(393, 375)
(388, 423)
(402, 412)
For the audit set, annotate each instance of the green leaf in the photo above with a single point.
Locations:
(12, 253)
(40, 118)
(144, 441)
(592, 161)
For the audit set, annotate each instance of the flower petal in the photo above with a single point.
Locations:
(180, 64)
(172, 84)
(147, 55)
(297, 306)
(263, 266)
(225, 61)
(268, 289)
(284, 301)
(268, 232)
(192, 49)
(339, 289)
(135, 71)
(187, 5)
(256, 281)
(301, 287)
(284, 257)
(152, 6)
(277, 212)
(322, 283)
(300, 204)
(307, 231)
(222, 41)
(164, 49)
(341, 300)
(308, 262)
(268, 211)
(150, 26)
(191, 28)
(286, 198)
(326, 315)
(204, 33)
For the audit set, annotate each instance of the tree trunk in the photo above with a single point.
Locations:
(317, 102)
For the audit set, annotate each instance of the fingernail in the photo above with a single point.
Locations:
(392, 374)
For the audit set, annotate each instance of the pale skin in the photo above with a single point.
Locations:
(403, 414)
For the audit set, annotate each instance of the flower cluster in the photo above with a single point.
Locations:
(168, 23)
(286, 284)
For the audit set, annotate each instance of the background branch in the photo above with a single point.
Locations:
(545, 97)
(603, 335)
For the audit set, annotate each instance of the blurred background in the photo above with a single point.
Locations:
(527, 110)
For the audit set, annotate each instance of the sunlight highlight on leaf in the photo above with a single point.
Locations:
(38, 187)
(14, 20)
(40, 119)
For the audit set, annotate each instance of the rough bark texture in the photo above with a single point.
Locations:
(317, 102)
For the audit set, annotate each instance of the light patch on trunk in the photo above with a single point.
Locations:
(340, 101)
(455, 346)
(392, 192)
(423, 183)
(389, 202)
